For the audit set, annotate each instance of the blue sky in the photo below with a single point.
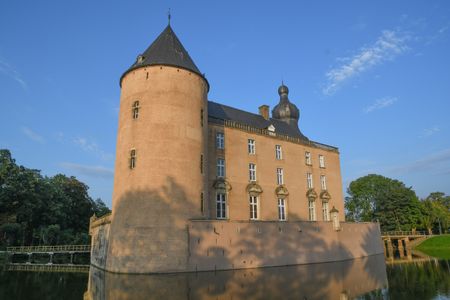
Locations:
(370, 77)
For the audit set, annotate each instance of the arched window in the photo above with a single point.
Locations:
(135, 109)
(133, 158)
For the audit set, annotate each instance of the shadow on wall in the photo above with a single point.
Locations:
(148, 230)
(338, 280)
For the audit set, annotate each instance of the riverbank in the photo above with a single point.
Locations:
(438, 246)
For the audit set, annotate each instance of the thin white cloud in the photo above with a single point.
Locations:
(92, 147)
(439, 161)
(32, 135)
(388, 45)
(92, 171)
(380, 104)
(430, 131)
(12, 73)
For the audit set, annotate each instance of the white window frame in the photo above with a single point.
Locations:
(325, 211)
(308, 159)
(280, 177)
(252, 172)
(323, 182)
(254, 207)
(282, 211)
(278, 152)
(309, 181)
(220, 169)
(312, 210)
(321, 161)
(251, 147)
(221, 206)
(220, 140)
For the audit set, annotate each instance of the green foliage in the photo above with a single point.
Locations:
(377, 198)
(38, 210)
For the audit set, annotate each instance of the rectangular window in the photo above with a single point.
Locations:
(280, 179)
(325, 212)
(282, 209)
(278, 153)
(220, 167)
(251, 146)
(135, 109)
(221, 206)
(133, 158)
(321, 161)
(201, 163)
(253, 208)
(252, 172)
(309, 180)
(323, 182)
(308, 158)
(312, 210)
(220, 140)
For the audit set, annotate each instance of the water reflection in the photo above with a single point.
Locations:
(339, 280)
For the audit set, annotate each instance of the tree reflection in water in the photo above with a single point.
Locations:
(338, 280)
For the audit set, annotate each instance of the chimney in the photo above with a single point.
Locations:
(264, 111)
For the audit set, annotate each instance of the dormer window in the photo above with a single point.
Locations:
(140, 59)
(135, 109)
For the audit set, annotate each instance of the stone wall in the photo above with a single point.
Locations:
(221, 245)
(99, 232)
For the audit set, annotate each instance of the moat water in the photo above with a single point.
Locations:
(367, 278)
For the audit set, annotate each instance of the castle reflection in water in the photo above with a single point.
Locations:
(337, 280)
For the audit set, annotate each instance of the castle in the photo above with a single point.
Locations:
(200, 185)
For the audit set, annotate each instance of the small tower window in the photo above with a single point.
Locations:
(201, 117)
(201, 163)
(202, 203)
(133, 158)
(135, 109)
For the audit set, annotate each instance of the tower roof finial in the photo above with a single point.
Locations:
(169, 15)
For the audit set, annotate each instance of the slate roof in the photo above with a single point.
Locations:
(223, 112)
(165, 50)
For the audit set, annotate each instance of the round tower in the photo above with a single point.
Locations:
(160, 169)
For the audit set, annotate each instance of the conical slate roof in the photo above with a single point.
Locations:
(165, 50)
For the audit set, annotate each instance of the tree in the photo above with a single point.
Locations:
(35, 209)
(377, 198)
(436, 212)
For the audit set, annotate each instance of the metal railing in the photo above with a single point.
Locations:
(41, 249)
(48, 268)
(404, 233)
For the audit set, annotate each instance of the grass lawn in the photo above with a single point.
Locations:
(438, 246)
